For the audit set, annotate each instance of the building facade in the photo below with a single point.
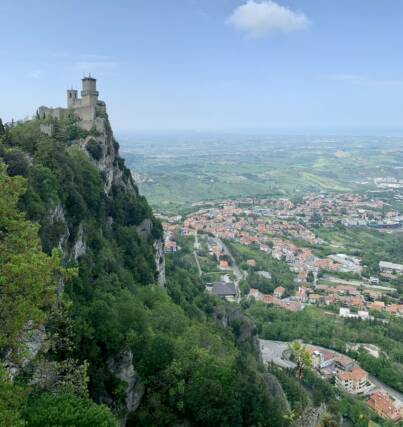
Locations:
(354, 381)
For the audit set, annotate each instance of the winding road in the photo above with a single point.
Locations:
(196, 246)
(234, 267)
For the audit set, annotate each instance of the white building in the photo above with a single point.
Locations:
(390, 267)
(361, 314)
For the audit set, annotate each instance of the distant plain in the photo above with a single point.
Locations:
(174, 172)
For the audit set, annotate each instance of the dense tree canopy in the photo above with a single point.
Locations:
(188, 361)
(28, 277)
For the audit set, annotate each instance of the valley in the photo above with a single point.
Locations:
(309, 231)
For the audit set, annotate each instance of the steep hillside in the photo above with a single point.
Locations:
(105, 325)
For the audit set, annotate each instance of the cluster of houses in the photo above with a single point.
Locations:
(275, 225)
(354, 301)
(170, 230)
(301, 297)
(276, 299)
(228, 222)
(352, 379)
(217, 251)
(243, 219)
(294, 230)
(350, 299)
(230, 217)
(388, 182)
(302, 260)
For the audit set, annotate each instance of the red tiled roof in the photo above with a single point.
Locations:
(383, 405)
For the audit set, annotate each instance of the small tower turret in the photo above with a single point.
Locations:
(71, 98)
(89, 93)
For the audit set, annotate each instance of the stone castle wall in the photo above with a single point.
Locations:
(84, 108)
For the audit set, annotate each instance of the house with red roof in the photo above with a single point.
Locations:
(382, 404)
(279, 292)
(354, 381)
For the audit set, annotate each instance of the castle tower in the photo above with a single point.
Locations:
(71, 98)
(89, 93)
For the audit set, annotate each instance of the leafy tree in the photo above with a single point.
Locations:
(11, 402)
(49, 410)
(17, 163)
(301, 356)
(328, 421)
(94, 148)
(2, 128)
(28, 277)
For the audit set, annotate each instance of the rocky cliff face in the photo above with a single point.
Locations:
(103, 226)
(160, 261)
(103, 151)
(122, 367)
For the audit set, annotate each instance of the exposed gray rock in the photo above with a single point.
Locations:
(79, 247)
(144, 229)
(122, 367)
(47, 129)
(57, 215)
(244, 328)
(32, 339)
(160, 262)
(108, 163)
(311, 416)
(274, 388)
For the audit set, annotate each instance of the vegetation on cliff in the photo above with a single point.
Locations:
(87, 278)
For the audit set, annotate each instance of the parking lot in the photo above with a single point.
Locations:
(273, 351)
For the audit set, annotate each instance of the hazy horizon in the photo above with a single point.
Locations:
(127, 136)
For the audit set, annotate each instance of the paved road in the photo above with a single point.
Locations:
(198, 263)
(196, 247)
(272, 351)
(396, 394)
(357, 283)
(234, 266)
(196, 243)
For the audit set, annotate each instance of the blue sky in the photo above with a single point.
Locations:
(215, 65)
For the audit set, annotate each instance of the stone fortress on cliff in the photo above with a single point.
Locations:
(86, 108)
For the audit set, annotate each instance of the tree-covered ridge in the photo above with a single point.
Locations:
(28, 283)
(190, 367)
(28, 277)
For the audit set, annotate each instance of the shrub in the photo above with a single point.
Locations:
(49, 410)
(95, 149)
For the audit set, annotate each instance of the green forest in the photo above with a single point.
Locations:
(91, 309)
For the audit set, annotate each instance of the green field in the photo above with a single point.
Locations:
(180, 171)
